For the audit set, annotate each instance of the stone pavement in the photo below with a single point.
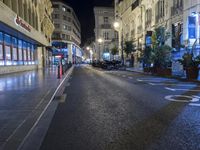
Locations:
(23, 96)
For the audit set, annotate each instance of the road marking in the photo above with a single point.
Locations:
(156, 80)
(130, 77)
(172, 89)
(62, 98)
(190, 85)
(68, 84)
(190, 99)
(124, 76)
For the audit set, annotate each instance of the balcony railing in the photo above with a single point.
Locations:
(106, 26)
(176, 11)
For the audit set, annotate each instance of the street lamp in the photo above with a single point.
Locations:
(99, 41)
(117, 26)
(88, 48)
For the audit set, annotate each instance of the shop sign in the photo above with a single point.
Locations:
(22, 24)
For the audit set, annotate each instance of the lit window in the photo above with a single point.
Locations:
(63, 8)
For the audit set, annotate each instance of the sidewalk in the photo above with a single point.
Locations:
(133, 69)
(23, 96)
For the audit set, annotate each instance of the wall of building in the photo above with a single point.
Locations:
(139, 16)
(67, 31)
(67, 25)
(29, 22)
(104, 19)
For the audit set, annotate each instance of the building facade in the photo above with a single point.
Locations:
(140, 17)
(67, 34)
(105, 35)
(25, 32)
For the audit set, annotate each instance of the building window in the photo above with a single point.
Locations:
(20, 49)
(105, 20)
(57, 25)
(56, 35)
(65, 27)
(14, 49)
(106, 35)
(69, 28)
(64, 8)
(64, 17)
(28, 52)
(7, 47)
(67, 37)
(55, 16)
(32, 53)
(1, 45)
(69, 19)
(69, 10)
(25, 52)
(63, 36)
(55, 6)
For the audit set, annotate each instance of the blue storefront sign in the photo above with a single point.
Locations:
(148, 41)
(192, 27)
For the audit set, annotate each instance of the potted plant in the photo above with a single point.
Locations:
(129, 49)
(190, 65)
(161, 53)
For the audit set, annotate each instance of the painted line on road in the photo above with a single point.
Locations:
(190, 85)
(37, 121)
(172, 89)
(156, 80)
(124, 76)
(130, 77)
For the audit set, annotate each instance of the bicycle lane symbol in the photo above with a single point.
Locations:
(191, 100)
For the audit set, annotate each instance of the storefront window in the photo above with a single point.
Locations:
(32, 53)
(1, 45)
(8, 47)
(25, 51)
(14, 52)
(20, 49)
(29, 51)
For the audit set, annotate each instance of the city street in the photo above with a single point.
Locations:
(118, 110)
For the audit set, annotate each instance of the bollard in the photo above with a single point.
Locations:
(58, 71)
(62, 69)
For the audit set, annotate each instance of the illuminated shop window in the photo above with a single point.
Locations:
(25, 52)
(1, 46)
(14, 49)
(7, 47)
(20, 50)
(29, 51)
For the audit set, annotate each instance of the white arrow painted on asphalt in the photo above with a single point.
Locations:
(172, 89)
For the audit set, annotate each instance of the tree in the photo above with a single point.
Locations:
(114, 50)
(146, 57)
(160, 55)
(129, 47)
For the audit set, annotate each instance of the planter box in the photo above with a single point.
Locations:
(192, 72)
(163, 72)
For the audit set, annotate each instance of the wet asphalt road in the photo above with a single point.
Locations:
(116, 110)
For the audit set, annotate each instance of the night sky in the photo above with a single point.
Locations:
(84, 11)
